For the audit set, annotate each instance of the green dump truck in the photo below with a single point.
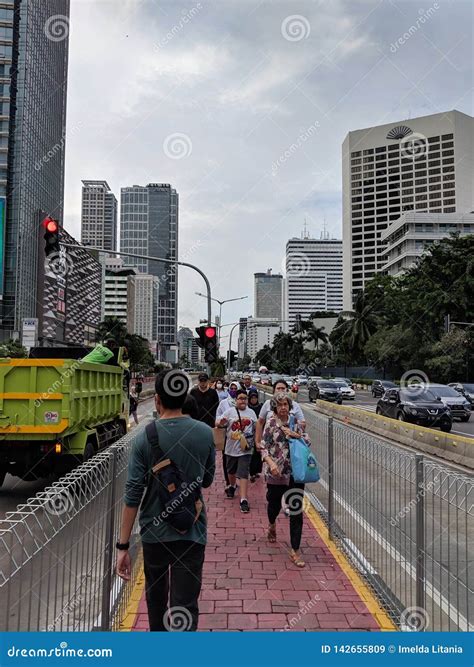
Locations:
(56, 413)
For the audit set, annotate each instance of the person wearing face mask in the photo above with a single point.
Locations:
(221, 390)
(228, 402)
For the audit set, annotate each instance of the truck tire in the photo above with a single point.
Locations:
(89, 450)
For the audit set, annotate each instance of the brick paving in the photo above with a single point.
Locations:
(251, 585)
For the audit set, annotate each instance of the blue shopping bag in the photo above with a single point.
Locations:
(304, 465)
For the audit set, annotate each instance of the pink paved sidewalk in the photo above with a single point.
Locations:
(249, 584)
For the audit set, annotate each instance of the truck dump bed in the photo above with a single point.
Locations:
(42, 397)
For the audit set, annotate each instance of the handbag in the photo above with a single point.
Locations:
(244, 445)
(219, 434)
(304, 466)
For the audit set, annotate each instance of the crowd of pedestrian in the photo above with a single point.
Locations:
(177, 451)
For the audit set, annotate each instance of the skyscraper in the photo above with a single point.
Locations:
(98, 215)
(33, 78)
(313, 277)
(149, 226)
(268, 295)
(423, 164)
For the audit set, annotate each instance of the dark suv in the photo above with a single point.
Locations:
(379, 387)
(416, 405)
(324, 390)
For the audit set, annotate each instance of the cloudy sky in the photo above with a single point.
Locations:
(210, 96)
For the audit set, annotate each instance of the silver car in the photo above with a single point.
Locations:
(460, 407)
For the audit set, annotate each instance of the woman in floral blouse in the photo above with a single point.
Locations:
(277, 472)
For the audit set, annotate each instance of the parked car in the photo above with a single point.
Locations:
(325, 390)
(379, 387)
(464, 388)
(256, 379)
(459, 405)
(416, 405)
(346, 391)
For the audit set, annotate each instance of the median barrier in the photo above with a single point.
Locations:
(455, 448)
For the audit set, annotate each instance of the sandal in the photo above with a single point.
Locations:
(296, 559)
(271, 533)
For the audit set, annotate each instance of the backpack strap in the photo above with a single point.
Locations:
(158, 457)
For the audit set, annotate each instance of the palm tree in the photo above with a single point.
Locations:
(359, 326)
(111, 328)
(316, 335)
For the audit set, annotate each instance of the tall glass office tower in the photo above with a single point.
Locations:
(33, 82)
(149, 226)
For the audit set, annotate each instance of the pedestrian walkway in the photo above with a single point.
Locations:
(249, 584)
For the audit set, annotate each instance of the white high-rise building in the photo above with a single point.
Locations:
(313, 277)
(412, 234)
(260, 332)
(423, 164)
(142, 306)
(98, 215)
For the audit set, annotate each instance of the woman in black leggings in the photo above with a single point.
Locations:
(280, 484)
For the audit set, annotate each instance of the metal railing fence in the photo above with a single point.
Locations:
(57, 551)
(405, 521)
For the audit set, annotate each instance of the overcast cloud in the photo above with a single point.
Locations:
(244, 82)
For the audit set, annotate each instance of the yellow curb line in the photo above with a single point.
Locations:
(356, 580)
(131, 609)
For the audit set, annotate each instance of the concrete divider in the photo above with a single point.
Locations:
(455, 448)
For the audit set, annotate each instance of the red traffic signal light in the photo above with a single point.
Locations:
(210, 332)
(50, 225)
(51, 236)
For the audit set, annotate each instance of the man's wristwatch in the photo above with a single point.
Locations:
(122, 546)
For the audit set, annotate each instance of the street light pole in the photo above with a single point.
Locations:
(153, 259)
(221, 303)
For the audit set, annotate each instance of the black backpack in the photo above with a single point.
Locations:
(180, 499)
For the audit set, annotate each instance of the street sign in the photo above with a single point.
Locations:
(29, 332)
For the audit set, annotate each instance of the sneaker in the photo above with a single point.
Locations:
(244, 506)
(230, 491)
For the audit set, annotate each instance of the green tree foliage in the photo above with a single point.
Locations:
(13, 349)
(141, 359)
(112, 328)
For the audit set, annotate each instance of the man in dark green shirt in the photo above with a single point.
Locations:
(172, 561)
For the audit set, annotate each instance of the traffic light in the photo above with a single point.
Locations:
(51, 236)
(231, 357)
(207, 339)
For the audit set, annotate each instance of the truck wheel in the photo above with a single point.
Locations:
(89, 451)
(445, 426)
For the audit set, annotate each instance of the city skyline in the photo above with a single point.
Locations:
(253, 147)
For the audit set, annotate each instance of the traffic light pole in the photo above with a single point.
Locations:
(238, 323)
(153, 259)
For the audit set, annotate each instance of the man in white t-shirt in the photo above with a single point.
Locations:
(240, 437)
